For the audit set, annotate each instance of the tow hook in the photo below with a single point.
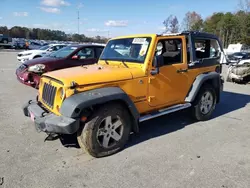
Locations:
(51, 137)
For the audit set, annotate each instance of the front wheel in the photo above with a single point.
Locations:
(106, 131)
(205, 103)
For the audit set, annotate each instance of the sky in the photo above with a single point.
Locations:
(109, 18)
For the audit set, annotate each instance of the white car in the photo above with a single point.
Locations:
(41, 52)
(244, 61)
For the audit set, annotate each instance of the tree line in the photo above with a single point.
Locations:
(47, 34)
(229, 27)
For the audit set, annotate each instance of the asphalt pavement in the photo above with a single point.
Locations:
(170, 152)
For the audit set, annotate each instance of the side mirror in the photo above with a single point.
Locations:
(156, 66)
(75, 57)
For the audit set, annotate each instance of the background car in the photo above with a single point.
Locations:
(70, 56)
(41, 52)
(5, 39)
(238, 56)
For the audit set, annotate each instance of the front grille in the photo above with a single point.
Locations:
(48, 95)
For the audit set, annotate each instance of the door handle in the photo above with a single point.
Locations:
(182, 70)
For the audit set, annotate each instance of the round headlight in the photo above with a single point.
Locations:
(36, 68)
(62, 93)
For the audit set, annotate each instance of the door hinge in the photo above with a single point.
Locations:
(150, 79)
(150, 98)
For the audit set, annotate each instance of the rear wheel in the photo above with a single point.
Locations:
(205, 103)
(106, 131)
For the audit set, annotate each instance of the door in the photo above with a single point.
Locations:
(170, 86)
(85, 56)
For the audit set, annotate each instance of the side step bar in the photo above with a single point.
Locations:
(165, 111)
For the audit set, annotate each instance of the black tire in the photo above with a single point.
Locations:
(93, 144)
(197, 112)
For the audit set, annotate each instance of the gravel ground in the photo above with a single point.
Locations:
(170, 151)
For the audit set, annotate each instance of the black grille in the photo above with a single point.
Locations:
(48, 95)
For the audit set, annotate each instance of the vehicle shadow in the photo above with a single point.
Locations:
(173, 122)
(176, 121)
(230, 102)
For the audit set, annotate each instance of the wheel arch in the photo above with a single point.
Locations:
(36, 56)
(212, 78)
(85, 102)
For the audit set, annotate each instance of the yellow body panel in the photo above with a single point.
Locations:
(146, 91)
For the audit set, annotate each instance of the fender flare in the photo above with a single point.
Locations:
(200, 80)
(72, 107)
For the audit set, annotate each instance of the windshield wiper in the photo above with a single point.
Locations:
(123, 62)
(105, 60)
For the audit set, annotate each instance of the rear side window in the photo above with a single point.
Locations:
(207, 48)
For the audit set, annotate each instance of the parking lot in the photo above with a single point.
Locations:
(171, 151)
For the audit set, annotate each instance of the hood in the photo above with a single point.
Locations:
(31, 51)
(93, 74)
(43, 60)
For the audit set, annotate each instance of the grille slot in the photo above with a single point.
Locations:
(49, 93)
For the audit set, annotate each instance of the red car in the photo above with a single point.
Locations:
(70, 56)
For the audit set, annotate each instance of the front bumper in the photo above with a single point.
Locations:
(49, 122)
(22, 59)
(28, 78)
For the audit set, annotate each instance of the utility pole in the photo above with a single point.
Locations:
(78, 21)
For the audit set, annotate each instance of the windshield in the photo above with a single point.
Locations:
(64, 52)
(127, 49)
(44, 47)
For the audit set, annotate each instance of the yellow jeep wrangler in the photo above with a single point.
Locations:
(137, 78)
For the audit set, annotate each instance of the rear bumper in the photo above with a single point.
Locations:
(49, 122)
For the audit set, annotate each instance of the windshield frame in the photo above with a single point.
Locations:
(149, 38)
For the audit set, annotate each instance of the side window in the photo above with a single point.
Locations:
(207, 48)
(171, 51)
(86, 53)
(60, 47)
(53, 48)
(98, 52)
